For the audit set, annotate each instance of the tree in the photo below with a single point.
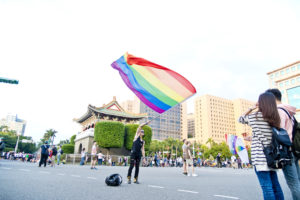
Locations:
(72, 139)
(50, 134)
(62, 142)
(211, 142)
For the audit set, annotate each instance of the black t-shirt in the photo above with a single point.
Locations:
(54, 151)
(137, 147)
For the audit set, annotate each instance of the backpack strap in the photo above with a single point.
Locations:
(288, 114)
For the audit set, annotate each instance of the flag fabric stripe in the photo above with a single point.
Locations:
(158, 87)
(138, 94)
(140, 61)
(147, 75)
(150, 88)
(170, 81)
(134, 85)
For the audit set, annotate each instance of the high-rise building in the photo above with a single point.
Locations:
(127, 105)
(191, 125)
(287, 80)
(216, 116)
(163, 125)
(183, 121)
(14, 123)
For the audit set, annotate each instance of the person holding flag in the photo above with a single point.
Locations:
(137, 151)
(157, 87)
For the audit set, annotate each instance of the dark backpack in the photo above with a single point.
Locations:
(61, 152)
(279, 153)
(296, 134)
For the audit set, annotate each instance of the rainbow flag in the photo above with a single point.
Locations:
(156, 86)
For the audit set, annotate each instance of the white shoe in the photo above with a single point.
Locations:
(189, 175)
(194, 175)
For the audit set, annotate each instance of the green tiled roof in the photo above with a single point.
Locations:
(110, 112)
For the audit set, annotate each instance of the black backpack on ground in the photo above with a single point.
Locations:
(296, 134)
(279, 153)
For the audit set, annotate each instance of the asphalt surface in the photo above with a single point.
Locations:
(26, 181)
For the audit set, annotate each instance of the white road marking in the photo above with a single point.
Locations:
(188, 191)
(61, 174)
(155, 186)
(44, 172)
(227, 197)
(75, 175)
(92, 178)
(25, 170)
(5, 168)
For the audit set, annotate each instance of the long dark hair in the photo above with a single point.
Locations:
(267, 106)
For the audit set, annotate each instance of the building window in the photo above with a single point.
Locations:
(293, 81)
(293, 68)
(298, 79)
(277, 74)
(286, 83)
(280, 84)
(282, 73)
(287, 70)
(298, 66)
(271, 76)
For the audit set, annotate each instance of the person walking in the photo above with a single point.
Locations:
(261, 121)
(54, 153)
(184, 155)
(100, 158)
(239, 162)
(137, 152)
(219, 163)
(291, 172)
(189, 160)
(83, 155)
(59, 154)
(44, 154)
(94, 155)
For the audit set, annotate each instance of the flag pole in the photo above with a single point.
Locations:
(149, 121)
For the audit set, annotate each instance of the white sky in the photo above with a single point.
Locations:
(61, 51)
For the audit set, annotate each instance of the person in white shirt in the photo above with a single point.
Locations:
(83, 154)
(100, 158)
(94, 155)
(233, 162)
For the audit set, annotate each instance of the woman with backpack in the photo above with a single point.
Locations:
(261, 122)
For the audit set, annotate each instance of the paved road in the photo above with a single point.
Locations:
(26, 181)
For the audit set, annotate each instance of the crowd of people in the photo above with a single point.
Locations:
(263, 117)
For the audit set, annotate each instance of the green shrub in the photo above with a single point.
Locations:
(7, 149)
(68, 148)
(109, 134)
(130, 130)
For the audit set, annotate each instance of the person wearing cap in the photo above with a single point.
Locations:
(44, 154)
(137, 152)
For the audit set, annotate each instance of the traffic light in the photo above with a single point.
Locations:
(9, 81)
